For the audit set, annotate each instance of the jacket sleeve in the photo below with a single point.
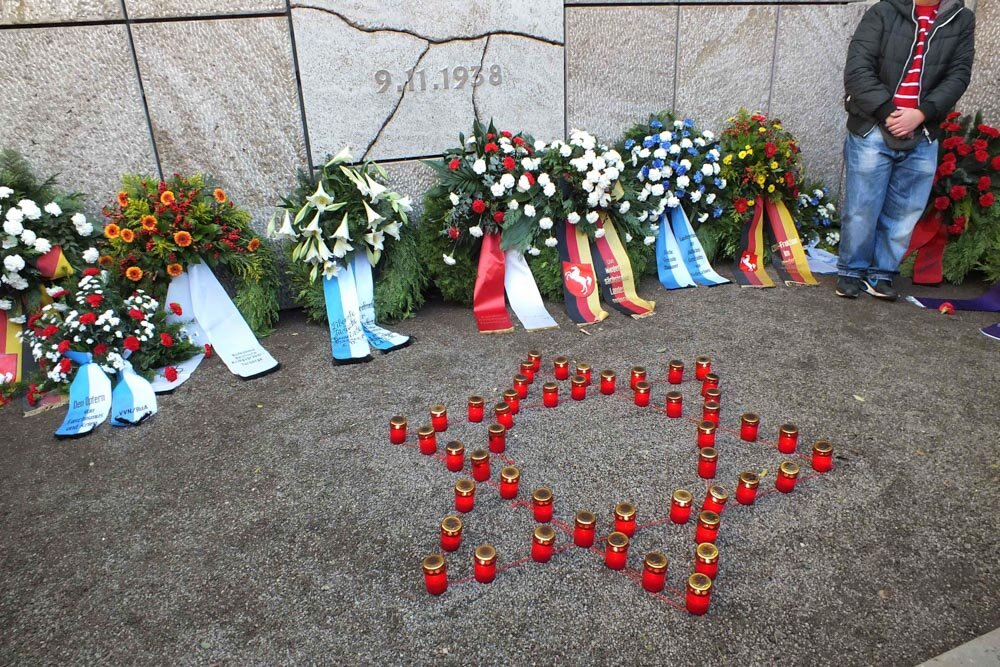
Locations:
(945, 95)
(861, 81)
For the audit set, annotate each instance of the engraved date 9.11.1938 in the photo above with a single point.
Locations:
(444, 79)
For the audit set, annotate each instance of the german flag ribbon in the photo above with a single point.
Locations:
(54, 265)
(788, 255)
(488, 304)
(583, 304)
(10, 347)
(614, 273)
(750, 265)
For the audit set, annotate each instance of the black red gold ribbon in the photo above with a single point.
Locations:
(787, 253)
(750, 263)
(614, 273)
(580, 286)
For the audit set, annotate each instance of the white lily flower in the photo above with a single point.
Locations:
(341, 248)
(373, 216)
(343, 230)
(343, 156)
(286, 230)
(330, 269)
(320, 199)
(453, 198)
(313, 228)
(375, 240)
(392, 229)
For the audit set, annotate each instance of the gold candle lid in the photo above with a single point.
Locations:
(639, 370)
(560, 362)
(520, 378)
(542, 495)
(713, 394)
(451, 526)
(510, 474)
(465, 487)
(534, 354)
(674, 397)
(479, 455)
(718, 493)
(607, 375)
(708, 453)
(682, 498)
(509, 394)
(706, 427)
(433, 564)
(749, 479)
(788, 469)
(425, 431)
(528, 366)
(617, 541)
(789, 429)
(486, 554)
(398, 421)
(750, 418)
(497, 429)
(676, 365)
(501, 408)
(699, 584)
(582, 368)
(455, 447)
(703, 360)
(708, 519)
(655, 562)
(549, 387)
(544, 535)
(625, 511)
(823, 448)
(586, 519)
(706, 552)
(476, 401)
(712, 378)
(438, 410)
(711, 406)
(579, 380)
(642, 387)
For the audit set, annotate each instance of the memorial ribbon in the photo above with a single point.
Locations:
(133, 400)
(487, 298)
(792, 265)
(583, 303)
(750, 268)
(614, 273)
(10, 347)
(89, 398)
(53, 264)
(343, 313)
(179, 292)
(670, 267)
(378, 337)
(928, 241)
(523, 295)
(695, 259)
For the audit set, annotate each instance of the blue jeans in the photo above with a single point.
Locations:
(885, 192)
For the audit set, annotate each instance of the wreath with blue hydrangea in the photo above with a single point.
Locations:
(816, 216)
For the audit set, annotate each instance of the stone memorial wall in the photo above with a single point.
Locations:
(251, 91)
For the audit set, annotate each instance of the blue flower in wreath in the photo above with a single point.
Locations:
(692, 151)
(717, 182)
(644, 171)
(685, 133)
(658, 163)
(680, 169)
(701, 189)
(656, 125)
(647, 142)
(629, 143)
(688, 123)
(717, 212)
(698, 178)
(814, 201)
(680, 193)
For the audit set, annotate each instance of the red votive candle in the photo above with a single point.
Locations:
(708, 459)
(504, 415)
(528, 371)
(675, 372)
(788, 438)
(427, 439)
(708, 527)
(616, 551)
(749, 425)
(511, 399)
(675, 404)
(497, 438)
(550, 394)
(583, 529)
(542, 543)
(642, 394)
(746, 488)
(439, 418)
(454, 458)
(699, 594)
(715, 499)
(680, 506)
(788, 474)
(521, 385)
(711, 382)
(706, 434)
(706, 560)
(451, 533)
(625, 518)
(702, 367)
(822, 459)
(654, 571)
(541, 504)
(397, 430)
(607, 382)
(465, 495)
(710, 412)
(535, 357)
(435, 575)
(579, 390)
(480, 465)
(560, 366)
(476, 410)
(485, 563)
(584, 370)
(637, 375)
(510, 481)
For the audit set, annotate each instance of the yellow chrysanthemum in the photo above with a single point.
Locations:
(743, 154)
(774, 164)
(760, 181)
(751, 202)
(728, 159)
(770, 188)
(762, 130)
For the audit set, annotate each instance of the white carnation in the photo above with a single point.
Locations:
(703, 217)
(592, 217)
(706, 169)
(448, 259)
(683, 182)
(708, 134)
(660, 153)
(529, 210)
(453, 198)
(497, 189)
(12, 222)
(534, 252)
(512, 205)
(710, 197)
(696, 196)
(507, 181)
(675, 149)
(6, 304)
(479, 166)
(625, 206)
(543, 179)
(573, 218)
(90, 255)
(549, 190)
(654, 175)
(476, 231)
(523, 184)
(8, 242)
(551, 242)
(673, 202)
(53, 209)
(5, 192)
(42, 246)
(545, 223)
(28, 237)
(13, 263)
(657, 190)
(686, 143)
(649, 240)
(30, 209)
(566, 150)
(599, 234)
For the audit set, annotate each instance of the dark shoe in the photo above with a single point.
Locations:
(881, 289)
(848, 287)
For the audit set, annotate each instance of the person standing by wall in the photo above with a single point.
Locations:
(908, 64)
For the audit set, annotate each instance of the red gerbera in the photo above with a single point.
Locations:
(740, 205)
(170, 373)
(479, 206)
(958, 192)
(789, 179)
(176, 309)
(454, 164)
(987, 200)
(131, 343)
(770, 149)
(88, 318)
(942, 203)
(166, 340)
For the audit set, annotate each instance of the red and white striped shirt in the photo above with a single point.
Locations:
(908, 94)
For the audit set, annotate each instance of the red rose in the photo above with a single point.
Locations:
(508, 163)
(136, 315)
(498, 217)
(453, 233)
(942, 203)
(166, 340)
(131, 343)
(995, 163)
(208, 350)
(479, 206)
(518, 141)
(94, 300)
(49, 331)
(491, 147)
(454, 164)
(176, 309)
(91, 271)
(770, 149)
(740, 205)
(963, 149)
(63, 347)
(984, 183)
(100, 350)
(987, 200)
(958, 192)
(981, 156)
(65, 365)
(170, 373)
(88, 318)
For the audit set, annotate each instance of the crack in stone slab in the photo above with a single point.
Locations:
(432, 40)
(475, 88)
(399, 103)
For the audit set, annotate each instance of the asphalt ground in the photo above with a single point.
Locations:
(271, 522)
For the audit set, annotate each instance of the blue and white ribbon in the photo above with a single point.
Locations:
(670, 267)
(691, 251)
(133, 400)
(343, 313)
(378, 337)
(89, 398)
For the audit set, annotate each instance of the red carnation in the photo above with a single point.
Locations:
(953, 115)
(958, 192)
(49, 331)
(176, 309)
(959, 220)
(498, 217)
(64, 365)
(136, 315)
(947, 168)
(979, 145)
(100, 350)
(981, 156)
(491, 147)
(984, 183)
(94, 300)
(990, 132)
(479, 206)
(948, 157)
(454, 233)
(942, 203)
(531, 177)
(454, 164)
(951, 142)
(208, 350)
(995, 163)
(490, 135)
(987, 200)
(63, 347)
(91, 271)
(508, 163)
(518, 141)
(770, 149)
(740, 205)
(88, 318)
(963, 149)
(170, 373)
(506, 133)
(131, 343)
(166, 340)
(789, 179)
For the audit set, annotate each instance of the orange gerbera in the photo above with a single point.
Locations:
(123, 199)
(167, 198)
(182, 238)
(253, 245)
(112, 231)
(220, 195)
(133, 273)
(174, 270)
(105, 260)
(148, 222)
(127, 235)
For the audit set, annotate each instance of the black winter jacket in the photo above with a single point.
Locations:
(881, 52)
